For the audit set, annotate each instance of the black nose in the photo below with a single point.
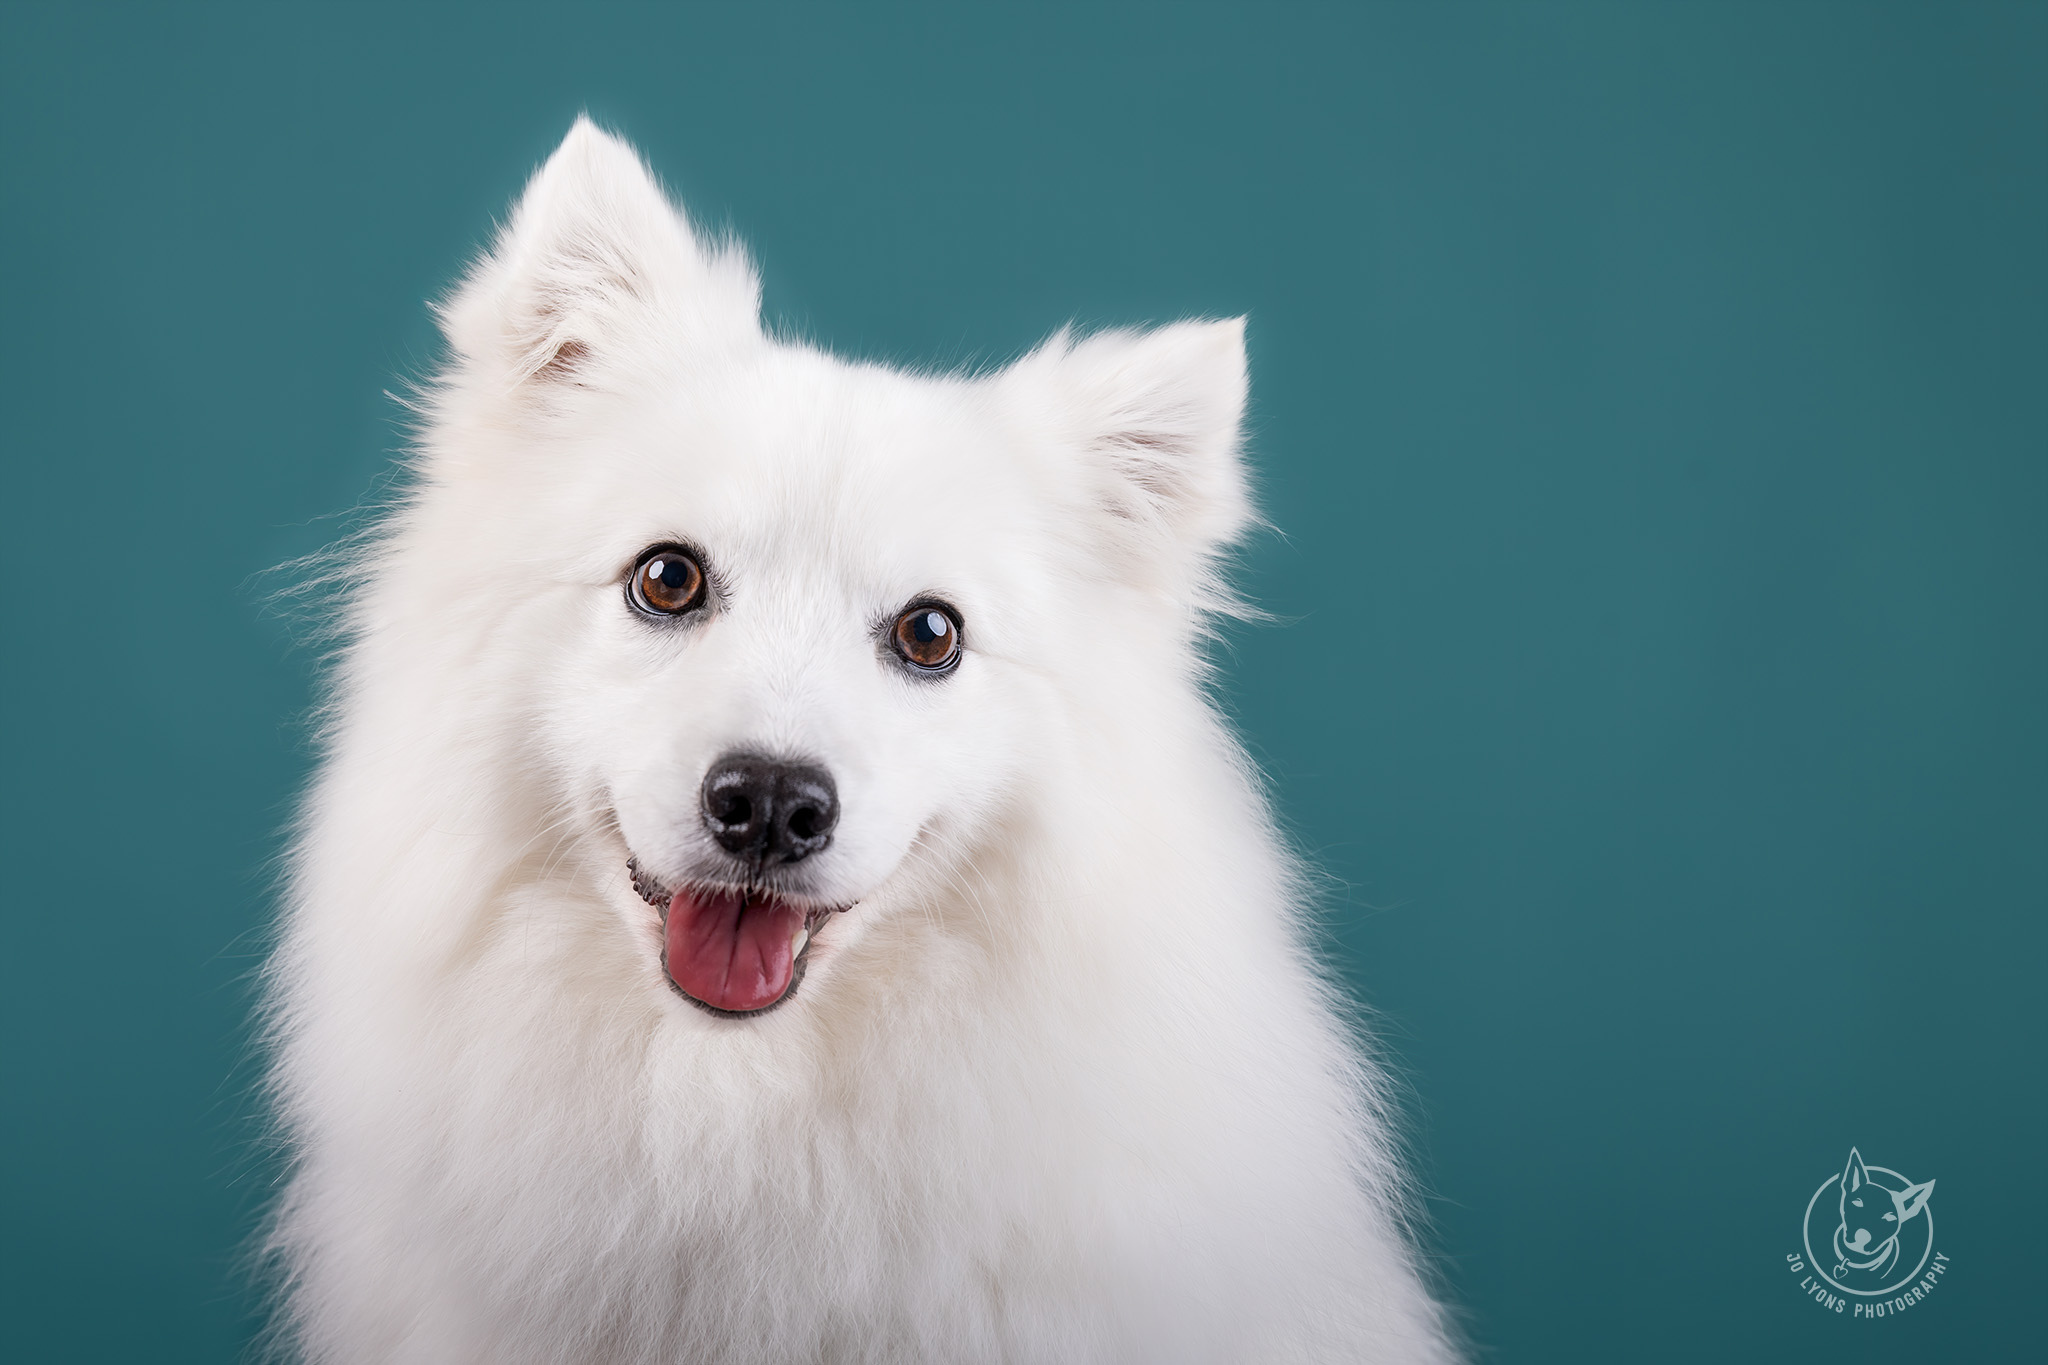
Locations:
(769, 812)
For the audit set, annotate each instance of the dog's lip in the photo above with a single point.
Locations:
(660, 897)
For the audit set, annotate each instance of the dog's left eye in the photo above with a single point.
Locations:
(667, 581)
(927, 637)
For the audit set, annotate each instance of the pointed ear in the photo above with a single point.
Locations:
(1155, 418)
(1912, 1199)
(1854, 1177)
(597, 269)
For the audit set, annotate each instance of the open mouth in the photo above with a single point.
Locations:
(733, 951)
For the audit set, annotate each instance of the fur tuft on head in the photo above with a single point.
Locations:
(596, 265)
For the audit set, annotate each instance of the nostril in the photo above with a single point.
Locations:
(803, 822)
(734, 809)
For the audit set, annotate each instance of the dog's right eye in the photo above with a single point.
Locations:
(667, 581)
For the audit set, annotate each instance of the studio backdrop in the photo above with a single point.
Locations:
(1648, 402)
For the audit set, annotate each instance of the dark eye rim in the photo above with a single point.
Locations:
(926, 602)
(706, 584)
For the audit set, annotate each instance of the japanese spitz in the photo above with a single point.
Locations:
(776, 889)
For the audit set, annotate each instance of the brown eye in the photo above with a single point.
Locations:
(667, 583)
(928, 638)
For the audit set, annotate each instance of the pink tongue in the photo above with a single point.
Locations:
(730, 952)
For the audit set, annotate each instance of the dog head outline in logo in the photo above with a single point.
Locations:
(1876, 1205)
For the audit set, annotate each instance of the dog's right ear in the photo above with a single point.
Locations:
(1854, 1177)
(596, 270)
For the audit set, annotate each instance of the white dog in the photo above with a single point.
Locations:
(776, 890)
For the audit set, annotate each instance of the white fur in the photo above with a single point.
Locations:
(1061, 1086)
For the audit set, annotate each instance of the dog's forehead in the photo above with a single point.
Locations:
(811, 458)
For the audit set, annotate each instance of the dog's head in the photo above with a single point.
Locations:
(1872, 1213)
(790, 622)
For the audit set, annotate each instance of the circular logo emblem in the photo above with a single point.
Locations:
(1869, 1230)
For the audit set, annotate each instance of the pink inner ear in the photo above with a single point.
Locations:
(1146, 440)
(563, 364)
(1152, 461)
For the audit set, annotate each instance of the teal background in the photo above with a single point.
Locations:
(1654, 399)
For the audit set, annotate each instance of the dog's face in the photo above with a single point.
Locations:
(837, 668)
(798, 626)
(1872, 1214)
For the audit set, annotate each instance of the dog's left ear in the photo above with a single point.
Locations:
(1913, 1198)
(1155, 418)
